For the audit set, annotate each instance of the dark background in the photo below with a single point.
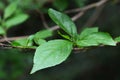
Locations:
(101, 63)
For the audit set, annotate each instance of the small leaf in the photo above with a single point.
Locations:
(88, 31)
(2, 31)
(96, 39)
(39, 41)
(51, 53)
(18, 19)
(63, 21)
(117, 39)
(58, 3)
(41, 35)
(64, 36)
(24, 43)
(10, 10)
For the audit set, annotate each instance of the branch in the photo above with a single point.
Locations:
(43, 19)
(94, 16)
(90, 6)
(74, 18)
(12, 38)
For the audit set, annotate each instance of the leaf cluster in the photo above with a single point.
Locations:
(54, 52)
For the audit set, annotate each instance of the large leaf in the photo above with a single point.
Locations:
(10, 10)
(41, 35)
(96, 39)
(18, 19)
(88, 31)
(51, 53)
(63, 21)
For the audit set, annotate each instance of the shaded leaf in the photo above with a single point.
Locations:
(63, 21)
(80, 3)
(10, 9)
(96, 39)
(57, 4)
(51, 53)
(18, 19)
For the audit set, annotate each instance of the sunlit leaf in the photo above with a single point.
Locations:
(96, 39)
(41, 35)
(51, 53)
(88, 31)
(63, 21)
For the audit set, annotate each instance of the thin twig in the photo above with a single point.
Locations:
(94, 16)
(90, 6)
(12, 38)
(43, 19)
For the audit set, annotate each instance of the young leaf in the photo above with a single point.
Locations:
(88, 31)
(51, 53)
(96, 39)
(117, 39)
(24, 43)
(10, 10)
(18, 19)
(63, 21)
(2, 31)
(64, 36)
(41, 35)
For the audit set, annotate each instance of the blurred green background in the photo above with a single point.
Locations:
(101, 63)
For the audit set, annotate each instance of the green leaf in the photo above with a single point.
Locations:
(96, 39)
(64, 36)
(10, 9)
(24, 43)
(63, 21)
(2, 31)
(57, 4)
(39, 41)
(51, 53)
(88, 31)
(41, 35)
(18, 19)
(117, 39)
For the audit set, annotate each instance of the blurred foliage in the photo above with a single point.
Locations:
(96, 64)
